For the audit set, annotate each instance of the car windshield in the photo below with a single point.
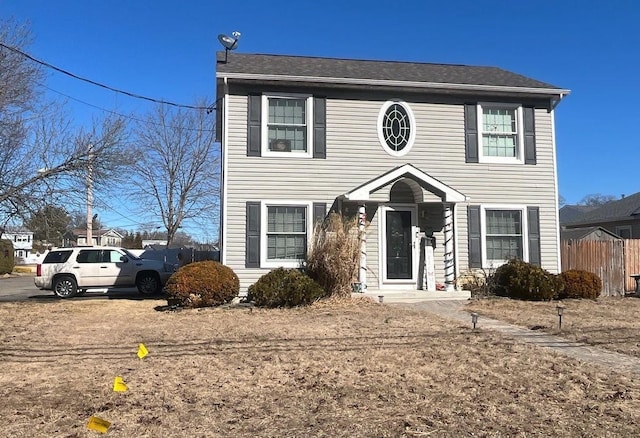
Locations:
(134, 257)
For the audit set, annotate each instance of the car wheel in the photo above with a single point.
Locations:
(148, 284)
(65, 287)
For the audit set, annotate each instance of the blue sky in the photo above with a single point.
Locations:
(166, 50)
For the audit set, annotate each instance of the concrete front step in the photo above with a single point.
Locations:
(391, 296)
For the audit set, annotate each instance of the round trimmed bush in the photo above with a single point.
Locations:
(285, 288)
(524, 281)
(580, 284)
(203, 284)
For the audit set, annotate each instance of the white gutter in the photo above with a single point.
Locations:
(392, 83)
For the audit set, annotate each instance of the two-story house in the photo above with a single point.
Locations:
(22, 240)
(451, 167)
(78, 237)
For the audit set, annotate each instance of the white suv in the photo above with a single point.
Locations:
(71, 271)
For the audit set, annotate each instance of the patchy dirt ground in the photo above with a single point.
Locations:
(612, 323)
(341, 369)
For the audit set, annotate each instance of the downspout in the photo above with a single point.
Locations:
(554, 103)
(557, 196)
(556, 100)
(223, 176)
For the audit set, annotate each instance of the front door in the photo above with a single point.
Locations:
(399, 249)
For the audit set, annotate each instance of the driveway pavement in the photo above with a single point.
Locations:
(21, 288)
(577, 350)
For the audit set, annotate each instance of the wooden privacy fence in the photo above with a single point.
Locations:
(612, 260)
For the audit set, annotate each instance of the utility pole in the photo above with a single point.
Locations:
(90, 197)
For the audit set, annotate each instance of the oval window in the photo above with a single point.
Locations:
(396, 127)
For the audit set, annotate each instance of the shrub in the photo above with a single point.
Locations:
(203, 284)
(6, 257)
(285, 288)
(524, 281)
(333, 257)
(480, 282)
(580, 284)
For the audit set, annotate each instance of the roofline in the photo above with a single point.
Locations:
(598, 222)
(389, 83)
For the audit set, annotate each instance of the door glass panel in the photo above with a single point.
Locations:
(399, 249)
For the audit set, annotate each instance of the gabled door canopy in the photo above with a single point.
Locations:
(438, 188)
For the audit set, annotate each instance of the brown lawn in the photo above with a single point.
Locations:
(332, 370)
(612, 322)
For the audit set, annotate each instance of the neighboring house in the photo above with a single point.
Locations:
(452, 167)
(78, 237)
(621, 217)
(588, 233)
(22, 240)
(569, 213)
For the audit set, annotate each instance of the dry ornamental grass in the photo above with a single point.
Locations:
(335, 369)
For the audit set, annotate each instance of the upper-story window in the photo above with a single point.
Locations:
(396, 128)
(500, 129)
(287, 122)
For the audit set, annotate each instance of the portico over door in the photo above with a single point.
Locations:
(399, 236)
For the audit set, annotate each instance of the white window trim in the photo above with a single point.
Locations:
(519, 158)
(624, 227)
(266, 152)
(284, 263)
(412, 134)
(489, 264)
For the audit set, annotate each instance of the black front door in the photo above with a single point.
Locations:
(399, 246)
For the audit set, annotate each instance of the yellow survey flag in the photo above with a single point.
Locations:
(142, 351)
(96, 423)
(119, 385)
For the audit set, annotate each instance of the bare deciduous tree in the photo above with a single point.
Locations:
(177, 167)
(43, 161)
(596, 199)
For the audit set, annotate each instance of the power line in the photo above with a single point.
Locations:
(117, 113)
(209, 108)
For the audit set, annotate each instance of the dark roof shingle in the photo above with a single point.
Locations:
(580, 233)
(627, 207)
(301, 66)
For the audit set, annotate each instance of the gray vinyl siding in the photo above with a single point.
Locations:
(354, 156)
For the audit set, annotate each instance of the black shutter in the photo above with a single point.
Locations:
(252, 250)
(319, 127)
(475, 239)
(533, 220)
(254, 125)
(319, 213)
(529, 135)
(471, 132)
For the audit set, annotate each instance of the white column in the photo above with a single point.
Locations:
(449, 273)
(362, 273)
(429, 265)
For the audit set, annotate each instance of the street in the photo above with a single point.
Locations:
(22, 289)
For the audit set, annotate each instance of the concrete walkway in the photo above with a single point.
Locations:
(577, 350)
